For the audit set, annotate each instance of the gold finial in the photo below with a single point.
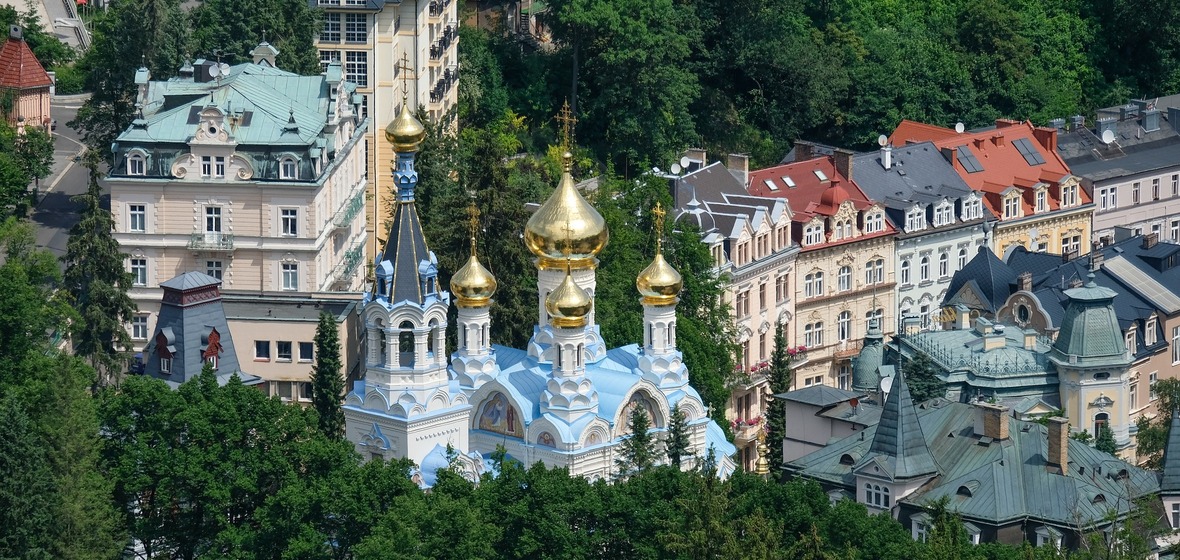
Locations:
(405, 132)
(659, 213)
(568, 305)
(472, 223)
(659, 283)
(472, 284)
(762, 464)
(568, 121)
(404, 69)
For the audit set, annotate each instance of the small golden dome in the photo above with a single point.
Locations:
(473, 285)
(405, 132)
(659, 283)
(566, 228)
(569, 304)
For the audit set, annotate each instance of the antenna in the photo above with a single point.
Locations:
(882, 140)
(960, 127)
(1107, 136)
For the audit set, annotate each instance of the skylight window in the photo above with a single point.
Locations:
(789, 181)
(820, 174)
(770, 184)
(967, 160)
(1030, 153)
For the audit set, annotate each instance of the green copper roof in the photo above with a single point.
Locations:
(866, 367)
(1170, 483)
(899, 445)
(1090, 333)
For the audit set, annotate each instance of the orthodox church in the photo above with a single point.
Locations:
(565, 400)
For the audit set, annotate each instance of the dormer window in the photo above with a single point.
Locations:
(1042, 200)
(813, 234)
(972, 209)
(1149, 332)
(1012, 206)
(136, 165)
(288, 169)
(1069, 195)
(943, 214)
(874, 222)
(915, 219)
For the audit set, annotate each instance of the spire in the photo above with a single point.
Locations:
(1170, 483)
(899, 440)
(866, 374)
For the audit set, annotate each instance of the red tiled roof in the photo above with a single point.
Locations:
(811, 196)
(1002, 164)
(19, 68)
(912, 131)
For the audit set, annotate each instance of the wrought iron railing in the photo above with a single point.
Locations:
(985, 362)
(211, 241)
(344, 216)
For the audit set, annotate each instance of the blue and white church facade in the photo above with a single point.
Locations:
(565, 400)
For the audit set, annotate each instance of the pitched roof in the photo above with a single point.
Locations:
(990, 276)
(406, 254)
(19, 67)
(190, 281)
(819, 395)
(1170, 482)
(898, 443)
(1090, 333)
(908, 131)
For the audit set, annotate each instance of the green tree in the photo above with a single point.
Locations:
(1105, 441)
(27, 494)
(637, 452)
(227, 30)
(327, 380)
(32, 307)
(48, 49)
(1153, 433)
(921, 375)
(98, 282)
(24, 158)
(780, 375)
(677, 445)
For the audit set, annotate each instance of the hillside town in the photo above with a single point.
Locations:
(281, 281)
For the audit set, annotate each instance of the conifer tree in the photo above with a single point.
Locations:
(637, 452)
(1105, 441)
(780, 382)
(677, 444)
(96, 279)
(327, 384)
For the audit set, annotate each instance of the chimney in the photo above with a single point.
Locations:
(1024, 281)
(887, 156)
(1128, 111)
(1140, 104)
(739, 166)
(991, 420)
(998, 138)
(1096, 258)
(1076, 122)
(1030, 339)
(1150, 239)
(1058, 124)
(696, 159)
(803, 150)
(949, 155)
(843, 161)
(983, 326)
(1059, 444)
(1105, 124)
(1151, 120)
(1047, 137)
(962, 318)
(1005, 123)
(15, 32)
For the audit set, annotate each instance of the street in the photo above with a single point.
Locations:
(55, 213)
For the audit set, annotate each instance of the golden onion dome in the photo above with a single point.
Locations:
(659, 283)
(473, 285)
(566, 228)
(405, 132)
(569, 304)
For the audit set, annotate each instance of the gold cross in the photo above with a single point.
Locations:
(568, 121)
(472, 223)
(404, 69)
(659, 213)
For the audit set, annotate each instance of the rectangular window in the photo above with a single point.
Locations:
(356, 28)
(1176, 185)
(844, 379)
(1135, 192)
(762, 296)
(212, 219)
(304, 391)
(262, 350)
(283, 350)
(290, 276)
(139, 328)
(214, 269)
(139, 272)
(1175, 230)
(206, 166)
(138, 218)
(165, 365)
(1134, 391)
(283, 390)
(1010, 206)
(1042, 198)
(327, 58)
(1155, 188)
(1175, 516)
(135, 165)
(290, 217)
(306, 351)
(1151, 379)
(219, 166)
(1069, 196)
(331, 30)
(1175, 345)
(356, 67)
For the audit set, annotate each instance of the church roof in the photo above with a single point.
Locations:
(898, 443)
(406, 252)
(19, 68)
(1170, 482)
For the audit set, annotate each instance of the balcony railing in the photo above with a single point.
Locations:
(344, 270)
(746, 430)
(211, 241)
(345, 215)
(848, 348)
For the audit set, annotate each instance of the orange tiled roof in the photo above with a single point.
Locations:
(913, 131)
(19, 68)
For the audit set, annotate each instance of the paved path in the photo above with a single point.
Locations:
(55, 212)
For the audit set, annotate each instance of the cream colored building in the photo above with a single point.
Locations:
(250, 174)
(380, 45)
(845, 269)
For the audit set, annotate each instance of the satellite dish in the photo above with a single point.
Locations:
(959, 127)
(882, 140)
(1107, 136)
(886, 385)
(214, 71)
(684, 161)
(676, 169)
(224, 69)
(855, 402)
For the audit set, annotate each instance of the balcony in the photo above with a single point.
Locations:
(745, 431)
(348, 212)
(342, 273)
(846, 349)
(211, 241)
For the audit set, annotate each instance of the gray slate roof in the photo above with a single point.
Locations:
(1135, 150)
(898, 444)
(190, 281)
(987, 274)
(819, 395)
(1002, 481)
(405, 254)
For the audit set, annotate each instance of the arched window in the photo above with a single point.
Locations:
(962, 258)
(844, 326)
(844, 279)
(944, 264)
(905, 271)
(405, 344)
(430, 337)
(136, 165)
(924, 269)
(288, 169)
(1101, 421)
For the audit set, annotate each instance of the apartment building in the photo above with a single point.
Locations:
(845, 267)
(1038, 203)
(750, 239)
(390, 50)
(247, 173)
(1129, 162)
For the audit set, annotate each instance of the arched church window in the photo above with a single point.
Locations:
(405, 343)
(581, 350)
(433, 334)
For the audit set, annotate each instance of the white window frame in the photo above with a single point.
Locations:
(290, 276)
(356, 28)
(327, 57)
(1012, 206)
(813, 234)
(215, 268)
(288, 169)
(1176, 345)
(844, 279)
(844, 326)
(356, 67)
(139, 327)
(944, 264)
(263, 356)
(136, 165)
(289, 220)
(962, 258)
(137, 218)
(206, 166)
(219, 167)
(924, 268)
(280, 355)
(330, 32)
(310, 347)
(165, 365)
(905, 272)
(139, 271)
(1042, 198)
